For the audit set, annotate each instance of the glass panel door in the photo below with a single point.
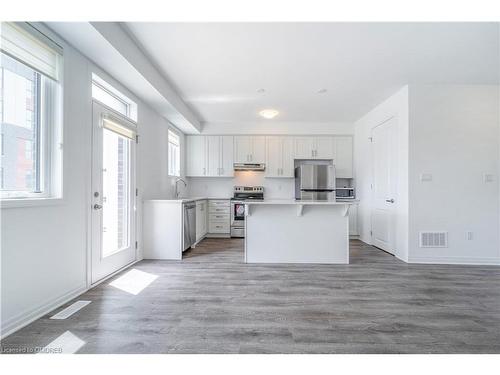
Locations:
(113, 193)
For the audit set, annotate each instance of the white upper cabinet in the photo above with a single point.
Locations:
(314, 147)
(258, 154)
(324, 148)
(249, 149)
(287, 170)
(210, 156)
(274, 156)
(213, 155)
(304, 147)
(242, 149)
(343, 157)
(226, 156)
(279, 156)
(196, 156)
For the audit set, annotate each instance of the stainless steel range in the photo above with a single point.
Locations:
(242, 194)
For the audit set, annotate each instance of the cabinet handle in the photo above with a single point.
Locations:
(204, 171)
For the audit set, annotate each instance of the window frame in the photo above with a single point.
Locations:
(130, 105)
(48, 144)
(175, 133)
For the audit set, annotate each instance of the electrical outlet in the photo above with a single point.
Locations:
(488, 177)
(426, 177)
(469, 235)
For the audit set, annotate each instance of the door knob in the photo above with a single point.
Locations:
(97, 206)
(389, 200)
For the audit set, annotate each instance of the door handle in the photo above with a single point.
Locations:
(389, 200)
(97, 206)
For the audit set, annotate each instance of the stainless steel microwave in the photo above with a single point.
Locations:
(344, 193)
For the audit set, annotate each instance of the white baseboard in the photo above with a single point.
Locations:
(26, 317)
(456, 260)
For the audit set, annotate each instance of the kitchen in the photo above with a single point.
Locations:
(273, 188)
(273, 170)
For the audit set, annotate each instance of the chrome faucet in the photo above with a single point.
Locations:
(177, 187)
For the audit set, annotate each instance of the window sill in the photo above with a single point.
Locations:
(30, 202)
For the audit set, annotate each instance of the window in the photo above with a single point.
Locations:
(174, 154)
(30, 110)
(112, 98)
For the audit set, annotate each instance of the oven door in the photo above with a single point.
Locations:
(237, 214)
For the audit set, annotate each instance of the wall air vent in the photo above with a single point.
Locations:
(433, 239)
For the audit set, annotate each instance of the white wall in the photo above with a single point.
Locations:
(45, 248)
(396, 106)
(454, 136)
(451, 132)
(274, 188)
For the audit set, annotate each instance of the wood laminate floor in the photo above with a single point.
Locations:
(211, 302)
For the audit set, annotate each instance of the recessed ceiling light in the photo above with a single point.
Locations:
(261, 91)
(322, 91)
(269, 113)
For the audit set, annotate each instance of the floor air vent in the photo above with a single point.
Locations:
(433, 239)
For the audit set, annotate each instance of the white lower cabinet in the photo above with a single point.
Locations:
(201, 219)
(219, 217)
(353, 220)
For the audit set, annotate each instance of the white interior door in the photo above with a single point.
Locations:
(113, 193)
(384, 156)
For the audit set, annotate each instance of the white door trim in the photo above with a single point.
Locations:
(393, 251)
(96, 106)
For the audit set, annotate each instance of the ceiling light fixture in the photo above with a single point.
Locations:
(269, 113)
(261, 91)
(322, 91)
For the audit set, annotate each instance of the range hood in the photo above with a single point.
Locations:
(249, 167)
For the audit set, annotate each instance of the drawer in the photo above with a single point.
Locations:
(218, 227)
(219, 210)
(218, 217)
(221, 203)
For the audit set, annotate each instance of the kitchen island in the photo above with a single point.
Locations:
(290, 231)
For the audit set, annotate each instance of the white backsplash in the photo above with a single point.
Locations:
(219, 187)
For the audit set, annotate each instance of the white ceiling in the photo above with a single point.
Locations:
(217, 68)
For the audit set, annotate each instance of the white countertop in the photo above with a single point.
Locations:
(185, 200)
(299, 202)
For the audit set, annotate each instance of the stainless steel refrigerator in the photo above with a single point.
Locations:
(315, 182)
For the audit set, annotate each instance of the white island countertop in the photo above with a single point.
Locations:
(300, 202)
(185, 200)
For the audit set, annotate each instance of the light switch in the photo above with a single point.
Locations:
(488, 177)
(426, 177)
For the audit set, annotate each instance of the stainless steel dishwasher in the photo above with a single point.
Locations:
(189, 224)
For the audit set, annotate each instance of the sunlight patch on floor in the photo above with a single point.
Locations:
(66, 343)
(134, 281)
